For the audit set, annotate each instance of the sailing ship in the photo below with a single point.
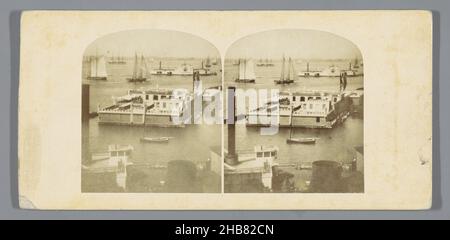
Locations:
(356, 63)
(246, 71)
(208, 62)
(286, 78)
(117, 60)
(139, 70)
(305, 140)
(215, 62)
(97, 68)
(185, 70)
(265, 63)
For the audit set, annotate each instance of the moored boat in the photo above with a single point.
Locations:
(205, 71)
(117, 60)
(162, 71)
(97, 68)
(139, 70)
(308, 72)
(266, 63)
(156, 139)
(286, 79)
(301, 140)
(246, 71)
(331, 71)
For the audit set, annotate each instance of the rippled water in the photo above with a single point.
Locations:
(192, 142)
(195, 141)
(333, 144)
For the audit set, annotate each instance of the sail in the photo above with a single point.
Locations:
(294, 73)
(135, 66)
(98, 67)
(93, 70)
(246, 70)
(291, 70)
(249, 70)
(142, 68)
(242, 69)
(101, 67)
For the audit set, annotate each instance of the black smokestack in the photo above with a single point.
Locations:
(231, 158)
(85, 123)
(85, 102)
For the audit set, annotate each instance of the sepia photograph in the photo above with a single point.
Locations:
(142, 126)
(297, 123)
(200, 110)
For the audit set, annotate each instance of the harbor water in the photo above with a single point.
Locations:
(192, 142)
(195, 141)
(333, 144)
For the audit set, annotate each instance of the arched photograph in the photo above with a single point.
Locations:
(298, 113)
(148, 113)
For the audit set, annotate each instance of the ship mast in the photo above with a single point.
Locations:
(245, 69)
(141, 65)
(135, 67)
(289, 69)
(293, 70)
(290, 128)
(96, 62)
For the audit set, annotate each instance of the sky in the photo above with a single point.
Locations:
(298, 44)
(294, 43)
(156, 43)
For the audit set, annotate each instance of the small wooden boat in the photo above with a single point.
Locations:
(302, 140)
(156, 139)
(305, 140)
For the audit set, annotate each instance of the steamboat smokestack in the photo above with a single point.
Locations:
(231, 157)
(85, 123)
(85, 102)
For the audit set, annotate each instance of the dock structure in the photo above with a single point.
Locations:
(156, 107)
(312, 109)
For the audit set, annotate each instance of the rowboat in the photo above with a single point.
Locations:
(305, 140)
(155, 139)
(302, 140)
